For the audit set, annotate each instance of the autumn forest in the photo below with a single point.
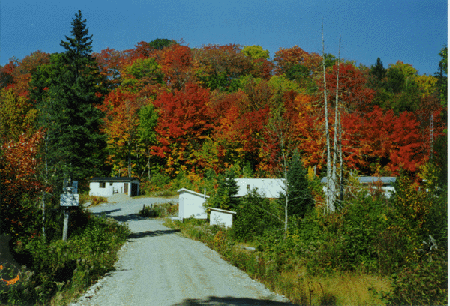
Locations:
(168, 107)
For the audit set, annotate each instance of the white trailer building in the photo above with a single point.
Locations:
(107, 186)
(267, 187)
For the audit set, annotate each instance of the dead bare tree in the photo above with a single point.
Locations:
(331, 187)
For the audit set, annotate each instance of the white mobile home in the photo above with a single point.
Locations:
(191, 204)
(108, 186)
(386, 183)
(267, 187)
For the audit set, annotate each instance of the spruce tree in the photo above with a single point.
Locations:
(299, 194)
(66, 92)
(225, 197)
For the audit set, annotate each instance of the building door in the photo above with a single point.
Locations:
(134, 189)
(125, 188)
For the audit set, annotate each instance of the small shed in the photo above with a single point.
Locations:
(191, 204)
(267, 187)
(221, 217)
(108, 186)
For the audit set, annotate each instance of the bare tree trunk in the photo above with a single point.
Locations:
(129, 164)
(148, 167)
(287, 190)
(341, 164)
(329, 194)
(341, 158)
(336, 124)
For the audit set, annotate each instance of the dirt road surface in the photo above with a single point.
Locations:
(157, 266)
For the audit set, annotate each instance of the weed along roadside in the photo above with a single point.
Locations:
(366, 253)
(274, 264)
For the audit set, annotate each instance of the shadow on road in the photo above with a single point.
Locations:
(120, 218)
(228, 300)
(153, 233)
(106, 212)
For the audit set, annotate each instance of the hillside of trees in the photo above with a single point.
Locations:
(165, 108)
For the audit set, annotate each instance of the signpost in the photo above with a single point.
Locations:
(70, 198)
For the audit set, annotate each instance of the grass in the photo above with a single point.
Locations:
(291, 278)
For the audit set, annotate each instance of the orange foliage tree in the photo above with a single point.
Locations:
(21, 185)
(121, 127)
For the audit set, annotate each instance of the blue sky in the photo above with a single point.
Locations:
(413, 31)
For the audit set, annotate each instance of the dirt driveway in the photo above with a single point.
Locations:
(157, 266)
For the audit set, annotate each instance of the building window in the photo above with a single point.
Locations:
(102, 185)
(248, 186)
(110, 184)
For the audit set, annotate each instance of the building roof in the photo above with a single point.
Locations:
(371, 179)
(262, 179)
(113, 179)
(223, 211)
(192, 192)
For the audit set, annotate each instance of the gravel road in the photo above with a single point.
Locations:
(158, 266)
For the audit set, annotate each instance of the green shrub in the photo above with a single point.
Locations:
(166, 209)
(364, 235)
(159, 210)
(147, 212)
(62, 266)
(255, 215)
(423, 283)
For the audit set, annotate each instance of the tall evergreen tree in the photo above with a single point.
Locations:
(66, 92)
(298, 192)
(225, 197)
(378, 71)
(441, 75)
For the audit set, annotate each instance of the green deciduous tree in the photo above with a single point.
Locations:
(255, 52)
(161, 43)
(148, 119)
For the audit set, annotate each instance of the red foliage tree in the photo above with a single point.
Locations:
(184, 122)
(287, 58)
(175, 61)
(353, 92)
(378, 138)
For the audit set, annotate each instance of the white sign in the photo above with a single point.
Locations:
(75, 187)
(68, 199)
